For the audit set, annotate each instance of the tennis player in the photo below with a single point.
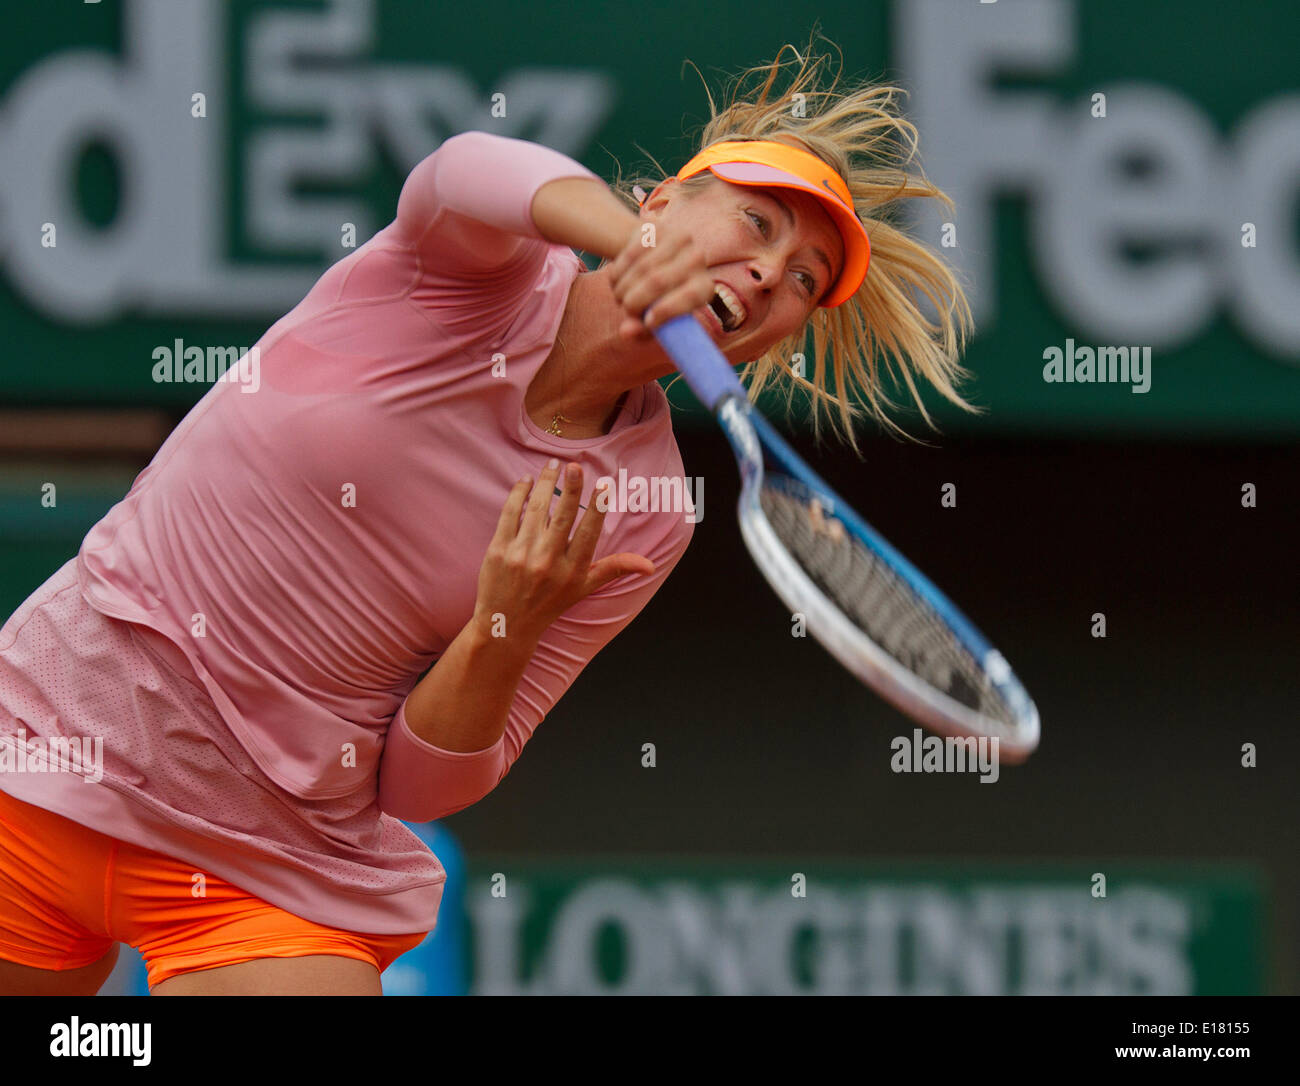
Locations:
(348, 599)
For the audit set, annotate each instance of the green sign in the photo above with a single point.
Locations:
(708, 928)
(1125, 175)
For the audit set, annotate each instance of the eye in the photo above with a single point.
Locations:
(761, 221)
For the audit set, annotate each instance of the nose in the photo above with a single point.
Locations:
(763, 271)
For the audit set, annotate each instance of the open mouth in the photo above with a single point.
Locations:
(728, 308)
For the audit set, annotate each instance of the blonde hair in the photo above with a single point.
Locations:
(862, 134)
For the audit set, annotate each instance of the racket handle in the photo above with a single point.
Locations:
(705, 367)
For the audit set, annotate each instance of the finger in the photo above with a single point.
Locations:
(655, 270)
(632, 328)
(567, 509)
(539, 501)
(508, 524)
(583, 544)
(614, 566)
(631, 248)
(686, 297)
(669, 290)
(648, 288)
(625, 267)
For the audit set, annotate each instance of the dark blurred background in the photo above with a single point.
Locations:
(1162, 214)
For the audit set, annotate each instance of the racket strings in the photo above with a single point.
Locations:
(878, 601)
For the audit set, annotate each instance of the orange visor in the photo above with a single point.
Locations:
(767, 163)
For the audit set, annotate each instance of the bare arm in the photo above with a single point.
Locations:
(462, 703)
(584, 214)
(532, 573)
(667, 276)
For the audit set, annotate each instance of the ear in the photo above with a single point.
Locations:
(664, 193)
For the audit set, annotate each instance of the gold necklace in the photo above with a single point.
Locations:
(554, 428)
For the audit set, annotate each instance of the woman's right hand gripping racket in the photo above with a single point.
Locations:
(870, 607)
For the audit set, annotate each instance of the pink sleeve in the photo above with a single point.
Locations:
(419, 782)
(467, 206)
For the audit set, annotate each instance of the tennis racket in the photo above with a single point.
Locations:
(870, 607)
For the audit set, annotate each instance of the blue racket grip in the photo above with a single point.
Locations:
(705, 367)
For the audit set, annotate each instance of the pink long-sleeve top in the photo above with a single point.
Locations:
(295, 558)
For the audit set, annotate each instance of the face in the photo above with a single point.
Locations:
(773, 252)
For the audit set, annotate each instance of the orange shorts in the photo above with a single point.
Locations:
(68, 893)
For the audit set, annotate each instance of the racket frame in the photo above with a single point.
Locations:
(748, 432)
(716, 385)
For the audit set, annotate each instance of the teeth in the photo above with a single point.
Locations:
(733, 304)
